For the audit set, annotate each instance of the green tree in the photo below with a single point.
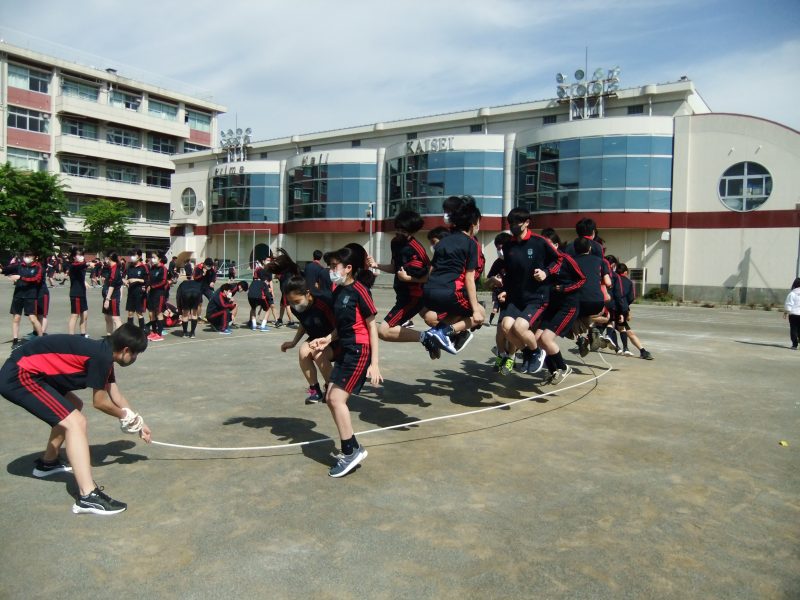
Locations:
(32, 204)
(106, 225)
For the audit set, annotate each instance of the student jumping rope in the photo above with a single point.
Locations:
(78, 305)
(41, 377)
(354, 313)
(410, 266)
(313, 308)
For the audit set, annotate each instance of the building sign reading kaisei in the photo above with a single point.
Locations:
(423, 146)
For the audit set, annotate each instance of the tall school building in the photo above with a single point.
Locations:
(702, 204)
(105, 134)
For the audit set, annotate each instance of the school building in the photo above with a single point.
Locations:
(105, 132)
(702, 204)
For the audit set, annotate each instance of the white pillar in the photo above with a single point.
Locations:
(508, 172)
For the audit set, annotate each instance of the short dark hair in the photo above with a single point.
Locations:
(243, 285)
(137, 251)
(612, 260)
(551, 235)
(128, 336)
(438, 233)
(208, 262)
(582, 245)
(112, 256)
(296, 285)
(586, 227)
(328, 256)
(622, 268)
(317, 254)
(518, 215)
(502, 238)
(409, 221)
(466, 214)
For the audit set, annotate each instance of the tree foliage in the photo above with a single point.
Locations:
(106, 225)
(32, 205)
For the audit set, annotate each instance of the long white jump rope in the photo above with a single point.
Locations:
(399, 425)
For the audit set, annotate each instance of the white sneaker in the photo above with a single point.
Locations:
(560, 375)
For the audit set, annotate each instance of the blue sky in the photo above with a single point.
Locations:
(286, 67)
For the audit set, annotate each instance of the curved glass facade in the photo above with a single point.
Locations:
(421, 181)
(618, 172)
(247, 197)
(331, 191)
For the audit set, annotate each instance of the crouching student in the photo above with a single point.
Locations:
(221, 307)
(354, 313)
(314, 311)
(41, 377)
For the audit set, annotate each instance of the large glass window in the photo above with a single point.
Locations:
(123, 173)
(245, 197)
(124, 100)
(76, 127)
(31, 120)
(123, 137)
(156, 212)
(162, 144)
(28, 79)
(198, 121)
(188, 200)
(80, 90)
(331, 191)
(422, 181)
(158, 177)
(79, 167)
(745, 186)
(596, 173)
(30, 160)
(162, 110)
(189, 147)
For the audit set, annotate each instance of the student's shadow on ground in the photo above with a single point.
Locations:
(101, 455)
(291, 430)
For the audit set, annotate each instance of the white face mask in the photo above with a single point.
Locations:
(302, 306)
(27, 259)
(337, 277)
(433, 250)
(80, 258)
(229, 295)
(134, 259)
(499, 254)
(154, 260)
(446, 219)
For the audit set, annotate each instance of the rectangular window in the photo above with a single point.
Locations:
(29, 160)
(156, 212)
(636, 109)
(548, 119)
(81, 129)
(263, 155)
(79, 90)
(476, 128)
(123, 173)
(28, 79)
(162, 110)
(411, 136)
(31, 120)
(198, 121)
(355, 143)
(123, 137)
(189, 147)
(162, 144)
(79, 167)
(306, 148)
(124, 100)
(158, 177)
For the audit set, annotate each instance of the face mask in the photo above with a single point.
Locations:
(80, 258)
(499, 254)
(302, 306)
(27, 260)
(336, 277)
(154, 261)
(433, 250)
(516, 230)
(229, 295)
(134, 259)
(446, 219)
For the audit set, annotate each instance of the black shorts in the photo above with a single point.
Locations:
(37, 397)
(590, 309)
(190, 300)
(403, 310)
(112, 309)
(258, 303)
(531, 312)
(443, 300)
(78, 305)
(560, 314)
(29, 306)
(137, 300)
(156, 301)
(350, 370)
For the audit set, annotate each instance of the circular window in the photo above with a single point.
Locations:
(745, 186)
(188, 200)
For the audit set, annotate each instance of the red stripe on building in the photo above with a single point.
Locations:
(604, 220)
(30, 140)
(729, 219)
(29, 99)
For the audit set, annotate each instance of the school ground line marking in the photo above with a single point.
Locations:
(398, 426)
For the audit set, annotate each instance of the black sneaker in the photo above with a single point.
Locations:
(278, 324)
(434, 351)
(583, 346)
(537, 361)
(461, 339)
(314, 397)
(99, 503)
(46, 469)
(645, 355)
